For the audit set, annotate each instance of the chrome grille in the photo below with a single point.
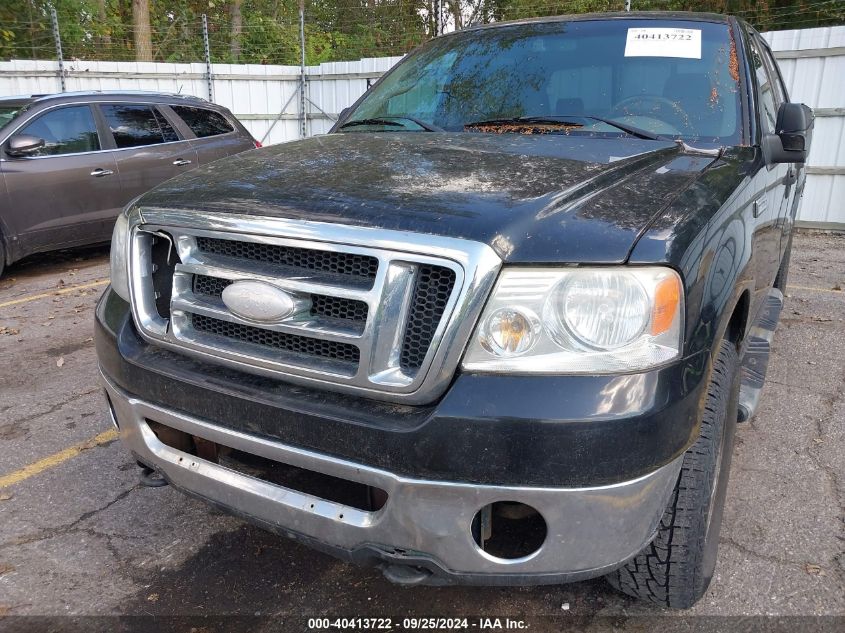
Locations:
(321, 305)
(344, 264)
(383, 313)
(303, 345)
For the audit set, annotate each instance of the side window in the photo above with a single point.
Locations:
(203, 122)
(167, 131)
(771, 66)
(69, 130)
(765, 90)
(136, 125)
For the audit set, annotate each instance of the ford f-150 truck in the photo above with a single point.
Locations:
(496, 327)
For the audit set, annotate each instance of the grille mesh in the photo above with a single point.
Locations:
(339, 308)
(321, 305)
(432, 290)
(279, 340)
(347, 264)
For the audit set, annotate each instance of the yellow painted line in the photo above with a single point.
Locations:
(55, 459)
(55, 293)
(789, 287)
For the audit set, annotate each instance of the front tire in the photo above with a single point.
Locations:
(676, 568)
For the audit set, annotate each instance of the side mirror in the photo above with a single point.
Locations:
(794, 128)
(23, 144)
(343, 113)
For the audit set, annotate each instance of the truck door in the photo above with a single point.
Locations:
(794, 171)
(769, 207)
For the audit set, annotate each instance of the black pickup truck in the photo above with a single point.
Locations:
(498, 326)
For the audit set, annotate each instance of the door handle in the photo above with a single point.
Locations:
(99, 172)
(179, 162)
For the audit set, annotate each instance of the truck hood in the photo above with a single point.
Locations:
(533, 199)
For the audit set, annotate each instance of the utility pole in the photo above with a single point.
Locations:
(207, 51)
(628, 6)
(303, 127)
(58, 39)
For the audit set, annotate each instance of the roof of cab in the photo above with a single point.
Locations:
(689, 16)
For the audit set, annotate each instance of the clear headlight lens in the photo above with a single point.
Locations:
(592, 320)
(120, 256)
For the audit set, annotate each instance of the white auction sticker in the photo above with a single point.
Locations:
(663, 43)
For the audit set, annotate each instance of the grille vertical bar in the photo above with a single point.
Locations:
(432, 290)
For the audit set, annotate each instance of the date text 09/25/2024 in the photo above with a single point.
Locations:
(417, 624)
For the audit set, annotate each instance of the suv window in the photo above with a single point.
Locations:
(766, 89)
(136, 125)
(69, 130)
(203, 122)
(167, 131)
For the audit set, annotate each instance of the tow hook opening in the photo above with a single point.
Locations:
(509, 530)
(320, 485)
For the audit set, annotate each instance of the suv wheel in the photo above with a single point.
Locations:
(675, 569)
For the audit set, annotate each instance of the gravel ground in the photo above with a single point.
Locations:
(81, 538)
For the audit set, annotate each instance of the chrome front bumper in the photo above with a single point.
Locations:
(428, 523)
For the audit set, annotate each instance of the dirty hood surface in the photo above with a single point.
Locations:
(550, 198)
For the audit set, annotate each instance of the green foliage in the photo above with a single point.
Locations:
(334, 29)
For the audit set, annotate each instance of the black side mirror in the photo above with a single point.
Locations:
(23, 144)
(794, 132)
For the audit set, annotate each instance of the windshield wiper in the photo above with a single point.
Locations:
(540, 120)
(390, 120)
(570, 120)
(630, 129)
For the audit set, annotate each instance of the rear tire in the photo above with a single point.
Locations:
(675, 569)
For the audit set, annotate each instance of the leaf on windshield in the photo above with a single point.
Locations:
(521, 128)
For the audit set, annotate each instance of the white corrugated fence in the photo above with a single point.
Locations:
(812, 62)
(265, 98)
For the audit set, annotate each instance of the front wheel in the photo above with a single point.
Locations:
(675, 569)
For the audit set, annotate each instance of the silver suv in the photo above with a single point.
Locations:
(70, 162)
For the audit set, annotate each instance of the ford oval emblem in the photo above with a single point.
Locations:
(258, 301)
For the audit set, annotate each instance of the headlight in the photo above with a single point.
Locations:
(580, 321)
(120, 256)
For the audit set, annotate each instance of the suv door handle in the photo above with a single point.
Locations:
(99, 172)
(179, 162)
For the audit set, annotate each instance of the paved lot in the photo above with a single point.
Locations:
(78, 536)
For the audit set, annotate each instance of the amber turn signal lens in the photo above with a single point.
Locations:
(667, 295)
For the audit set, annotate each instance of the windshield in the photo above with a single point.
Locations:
(7, 113)
(671, 78)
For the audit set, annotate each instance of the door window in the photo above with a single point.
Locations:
(69, 130)
(167, 130)
(203, 122)
(766, 90)
(774, 76)
(137, 125)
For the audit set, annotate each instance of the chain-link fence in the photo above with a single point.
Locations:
(278, 31)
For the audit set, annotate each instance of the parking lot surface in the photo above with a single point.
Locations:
(79, 536)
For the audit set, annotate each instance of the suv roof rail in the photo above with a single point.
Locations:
(149, 93)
